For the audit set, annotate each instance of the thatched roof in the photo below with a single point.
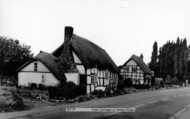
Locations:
(89, 53)
(25, 64)
(51, 62)
(141, 64)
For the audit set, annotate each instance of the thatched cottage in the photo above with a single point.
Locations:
(86, 62)
(136, 70)
(42, 70)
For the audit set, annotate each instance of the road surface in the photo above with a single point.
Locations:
(159, 104)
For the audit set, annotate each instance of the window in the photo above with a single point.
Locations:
(43, 78)
(127, 69)
(93, 78)
(35, 66)
(134, 69)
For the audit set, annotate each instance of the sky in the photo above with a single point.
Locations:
(121, 27)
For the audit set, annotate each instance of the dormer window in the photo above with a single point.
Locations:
(35, 66)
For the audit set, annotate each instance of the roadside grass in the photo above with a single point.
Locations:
(10, 100)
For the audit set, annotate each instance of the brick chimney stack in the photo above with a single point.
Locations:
(68, 33)
(66, 53)
(142, 57)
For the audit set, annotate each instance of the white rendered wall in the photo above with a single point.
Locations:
(26, 78)
(76, 58)
(78, 63)
(73, 77)
(27, 75)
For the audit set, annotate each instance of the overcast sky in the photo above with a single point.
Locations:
(121, 27)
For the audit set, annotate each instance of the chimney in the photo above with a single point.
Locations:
(68, 33)
(142, 57)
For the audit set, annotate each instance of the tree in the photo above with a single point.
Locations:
(12, 55)
(172, 59)
(154, 59)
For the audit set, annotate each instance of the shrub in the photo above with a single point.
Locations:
(10, 100)
(42, 87)
(83, 98)
(142, 86)
(98, 93)
(17, 102)
(129, 90)
(121, 84)
(118, 92)
(81, 89)
(33, 86)
(128, 83)
(109, 91)
(68, 90)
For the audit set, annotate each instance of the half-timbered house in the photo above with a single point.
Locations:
(92, 65)
(87, 64)
(136, 70)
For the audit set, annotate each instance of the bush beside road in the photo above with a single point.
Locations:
(10, 100)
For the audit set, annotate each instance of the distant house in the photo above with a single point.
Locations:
(43, 70)
(136, 70)
(87, 64)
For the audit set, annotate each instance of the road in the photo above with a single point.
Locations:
(159, 104)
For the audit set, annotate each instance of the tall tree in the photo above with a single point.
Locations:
(154, 59)
(173, 59)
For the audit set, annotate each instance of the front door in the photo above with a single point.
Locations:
(83, 83)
